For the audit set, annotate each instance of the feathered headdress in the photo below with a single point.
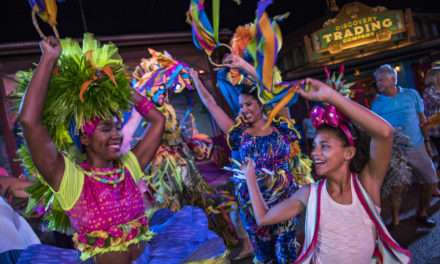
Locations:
(337, 82)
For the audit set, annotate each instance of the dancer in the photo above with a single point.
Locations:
(343, 222)
(99, 195)
(173, 173)
(276, 151)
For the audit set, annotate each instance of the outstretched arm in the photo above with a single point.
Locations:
(283, 211)
(147, 146)
(220, 117)
(380, 131)
(47, 159)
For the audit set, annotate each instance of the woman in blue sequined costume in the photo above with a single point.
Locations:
(276, 152)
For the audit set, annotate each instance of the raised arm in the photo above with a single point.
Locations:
(283, 211)
(237, 62)
(220, 117)
(380, 131)
(47, 159)
(147, 146)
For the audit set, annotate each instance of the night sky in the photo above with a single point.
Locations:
(106, 18)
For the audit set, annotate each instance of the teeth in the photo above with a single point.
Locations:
(115, 146)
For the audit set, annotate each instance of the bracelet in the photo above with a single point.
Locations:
(144, 106)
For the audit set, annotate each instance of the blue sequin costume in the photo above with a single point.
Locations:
(274, 243)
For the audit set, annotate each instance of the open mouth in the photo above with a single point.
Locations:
(247, 116)
(115, 146)
(319, 163)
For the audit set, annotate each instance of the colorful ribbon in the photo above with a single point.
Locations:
(286, 98)
(46, 10)
(203, 34)
(268, 44)
(160, 73)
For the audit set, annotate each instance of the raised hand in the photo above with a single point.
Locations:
(316, 90)
(249, 169)
(51, 48)
(234, 61)
(237, 62)
(194, 75)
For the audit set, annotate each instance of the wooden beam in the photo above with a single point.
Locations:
(409, 24)
(309, 48)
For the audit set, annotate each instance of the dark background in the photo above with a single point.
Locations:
(106, 18)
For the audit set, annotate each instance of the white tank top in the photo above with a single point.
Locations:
(346, 233)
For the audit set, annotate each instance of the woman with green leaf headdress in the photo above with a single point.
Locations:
(76, 95)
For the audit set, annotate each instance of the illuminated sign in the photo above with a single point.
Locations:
(358, 31)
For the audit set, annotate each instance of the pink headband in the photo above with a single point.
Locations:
(332, 117)
(89, 127)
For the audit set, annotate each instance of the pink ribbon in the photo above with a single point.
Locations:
(89, 127)
(332, 117)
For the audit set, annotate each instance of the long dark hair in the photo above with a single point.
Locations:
(362, 145)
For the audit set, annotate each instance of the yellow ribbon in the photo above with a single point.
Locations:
(269, 50)
(281, 104)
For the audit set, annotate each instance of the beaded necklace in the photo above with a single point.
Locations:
(99, 174)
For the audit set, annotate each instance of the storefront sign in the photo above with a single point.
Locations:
(358, 31)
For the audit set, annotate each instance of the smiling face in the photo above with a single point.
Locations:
(250, 108)
(331, 155)
(105, 142)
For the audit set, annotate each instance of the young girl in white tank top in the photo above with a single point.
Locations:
(343, 223)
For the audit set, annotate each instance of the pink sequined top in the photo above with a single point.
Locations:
(106, 217)
(102, 206)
